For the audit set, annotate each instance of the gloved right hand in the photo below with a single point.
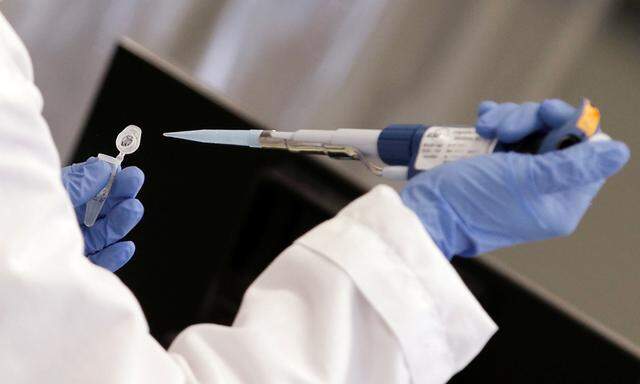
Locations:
(480, 204)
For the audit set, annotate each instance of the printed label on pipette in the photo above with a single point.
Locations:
(441, 145)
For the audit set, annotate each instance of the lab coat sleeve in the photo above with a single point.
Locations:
(365, 297)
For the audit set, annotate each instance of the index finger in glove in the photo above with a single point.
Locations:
(486, 106)
(490, 116)
(510, 122)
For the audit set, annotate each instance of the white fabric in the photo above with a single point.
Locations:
(364, 298)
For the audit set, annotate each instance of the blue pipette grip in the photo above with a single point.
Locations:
(399, 144)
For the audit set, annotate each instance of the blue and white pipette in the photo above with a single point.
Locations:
(405, 149)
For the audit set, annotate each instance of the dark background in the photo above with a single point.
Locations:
(216, 216)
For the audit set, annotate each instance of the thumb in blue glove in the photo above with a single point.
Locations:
(120, 213)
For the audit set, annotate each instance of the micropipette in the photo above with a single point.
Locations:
(405, 149)
(127, 142)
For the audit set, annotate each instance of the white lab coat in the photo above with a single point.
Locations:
(366, 297)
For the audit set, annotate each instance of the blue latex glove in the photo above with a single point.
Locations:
(494, 201)
(120, 213)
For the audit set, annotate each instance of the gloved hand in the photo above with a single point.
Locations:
(120, 213)
(480, 204)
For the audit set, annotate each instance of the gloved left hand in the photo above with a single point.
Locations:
(120, 213)
(476, 205)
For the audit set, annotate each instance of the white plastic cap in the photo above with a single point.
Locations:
(129, 139)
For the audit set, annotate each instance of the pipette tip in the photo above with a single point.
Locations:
(248, 138)
(201, 135)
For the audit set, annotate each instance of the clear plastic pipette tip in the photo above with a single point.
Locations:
(246, 138)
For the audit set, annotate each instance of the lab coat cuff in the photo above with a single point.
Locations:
(383, 247)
